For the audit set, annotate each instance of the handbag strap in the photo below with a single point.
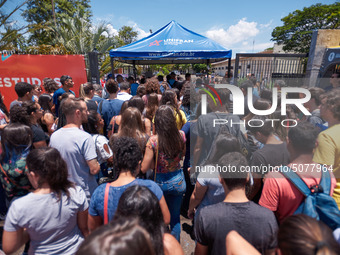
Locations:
(4, 172)
(156, 161)
(106, 200)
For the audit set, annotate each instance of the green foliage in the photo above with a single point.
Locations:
(296, 32)
(10, 35)
(42, 14)
(160, 73)
(127, 35)
(78, 36)
(165, 70)
(199, 68)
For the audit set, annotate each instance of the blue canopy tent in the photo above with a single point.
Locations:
(172, 44)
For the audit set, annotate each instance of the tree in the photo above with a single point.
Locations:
(42, 14)
(127, 35)
(298, 27)
(199, 68)
(10, 35)
(78, 36)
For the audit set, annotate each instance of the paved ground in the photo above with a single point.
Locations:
(187, 243)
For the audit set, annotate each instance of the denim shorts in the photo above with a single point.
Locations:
(172, 183)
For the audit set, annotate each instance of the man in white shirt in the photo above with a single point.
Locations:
(124, 93)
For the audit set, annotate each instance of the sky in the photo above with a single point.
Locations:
(240, 25)
(244, 26)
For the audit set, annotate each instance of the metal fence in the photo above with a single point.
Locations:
(266, 68)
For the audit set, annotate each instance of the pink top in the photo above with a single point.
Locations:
(145, 99)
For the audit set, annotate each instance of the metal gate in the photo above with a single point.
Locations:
(266, 68)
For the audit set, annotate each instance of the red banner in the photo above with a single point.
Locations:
(34, 68)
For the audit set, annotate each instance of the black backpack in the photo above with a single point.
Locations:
(246, 148)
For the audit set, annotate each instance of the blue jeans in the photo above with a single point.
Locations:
(173, 187)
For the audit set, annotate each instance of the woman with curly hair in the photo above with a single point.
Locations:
(170, 98)
(163, 152)
(50, 86)
(127, 157)
(152, 86)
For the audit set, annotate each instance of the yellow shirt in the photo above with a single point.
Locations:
(178, 120)
(328, 152)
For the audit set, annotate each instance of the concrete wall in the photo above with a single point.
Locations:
(321, 40)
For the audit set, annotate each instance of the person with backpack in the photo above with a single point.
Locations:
(112, 106)
(218, 120)
(280, 194)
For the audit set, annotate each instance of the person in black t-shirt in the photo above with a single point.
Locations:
(273, 154)
(254, 223)
(35, 112)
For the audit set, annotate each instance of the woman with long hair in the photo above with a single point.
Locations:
(86, 91)
(48, 118)
(167, 147)
(35, 112)
(151, 107)
(140, 203)
(53, 217)
(132, 126)
(113, 127)
(170, 98)
(94, 126)
(138, 102)
(16, 142)
(303, 235)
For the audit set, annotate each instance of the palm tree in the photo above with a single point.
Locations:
(10, 36)
(78, 36)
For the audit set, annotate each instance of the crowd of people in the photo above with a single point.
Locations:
(112, 170)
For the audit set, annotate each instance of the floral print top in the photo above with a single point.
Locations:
(164, 163)
(16, 182)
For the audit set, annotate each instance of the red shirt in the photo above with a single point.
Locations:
(282, 197)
